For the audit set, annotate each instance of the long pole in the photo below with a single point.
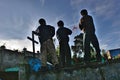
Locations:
(33, 44)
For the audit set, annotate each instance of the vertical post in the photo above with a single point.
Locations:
(33, 44)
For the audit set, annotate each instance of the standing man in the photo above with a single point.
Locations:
(63, 38)
(86, 24)
(45, 34)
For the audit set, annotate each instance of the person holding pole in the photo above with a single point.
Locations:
(45, 35)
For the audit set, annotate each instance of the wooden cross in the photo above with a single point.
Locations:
(33, 41)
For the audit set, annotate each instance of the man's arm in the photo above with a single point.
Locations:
(36, 32)
(52, 30)
(69, 31)
(82, 25)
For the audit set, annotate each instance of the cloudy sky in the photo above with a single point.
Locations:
(19, 17)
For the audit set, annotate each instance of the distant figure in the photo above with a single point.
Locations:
(63, 38)
(46, 32)
(87, 26)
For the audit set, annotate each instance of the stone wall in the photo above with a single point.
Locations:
(15, 59)
(10, 58)
(105, 71)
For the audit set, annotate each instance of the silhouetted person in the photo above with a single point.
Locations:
(46, 32)
(86, 24)
(63, 38)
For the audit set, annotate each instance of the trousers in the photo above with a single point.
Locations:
(90, 38)
(48, 48)
(65, 53)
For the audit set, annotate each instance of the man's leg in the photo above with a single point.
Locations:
(43, 56)
(68, 54)
(62, 54)
(87, 54)
(51, 50)
(95, 44)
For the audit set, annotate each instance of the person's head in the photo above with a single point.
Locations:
(60, 23)
(84, 12)
(42, 21)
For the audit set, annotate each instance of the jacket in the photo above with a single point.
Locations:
(45, 32)
(62, 34)
(87, 24)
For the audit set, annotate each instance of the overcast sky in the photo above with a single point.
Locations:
(19, 17)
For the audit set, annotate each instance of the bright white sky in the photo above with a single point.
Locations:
(19, 17)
